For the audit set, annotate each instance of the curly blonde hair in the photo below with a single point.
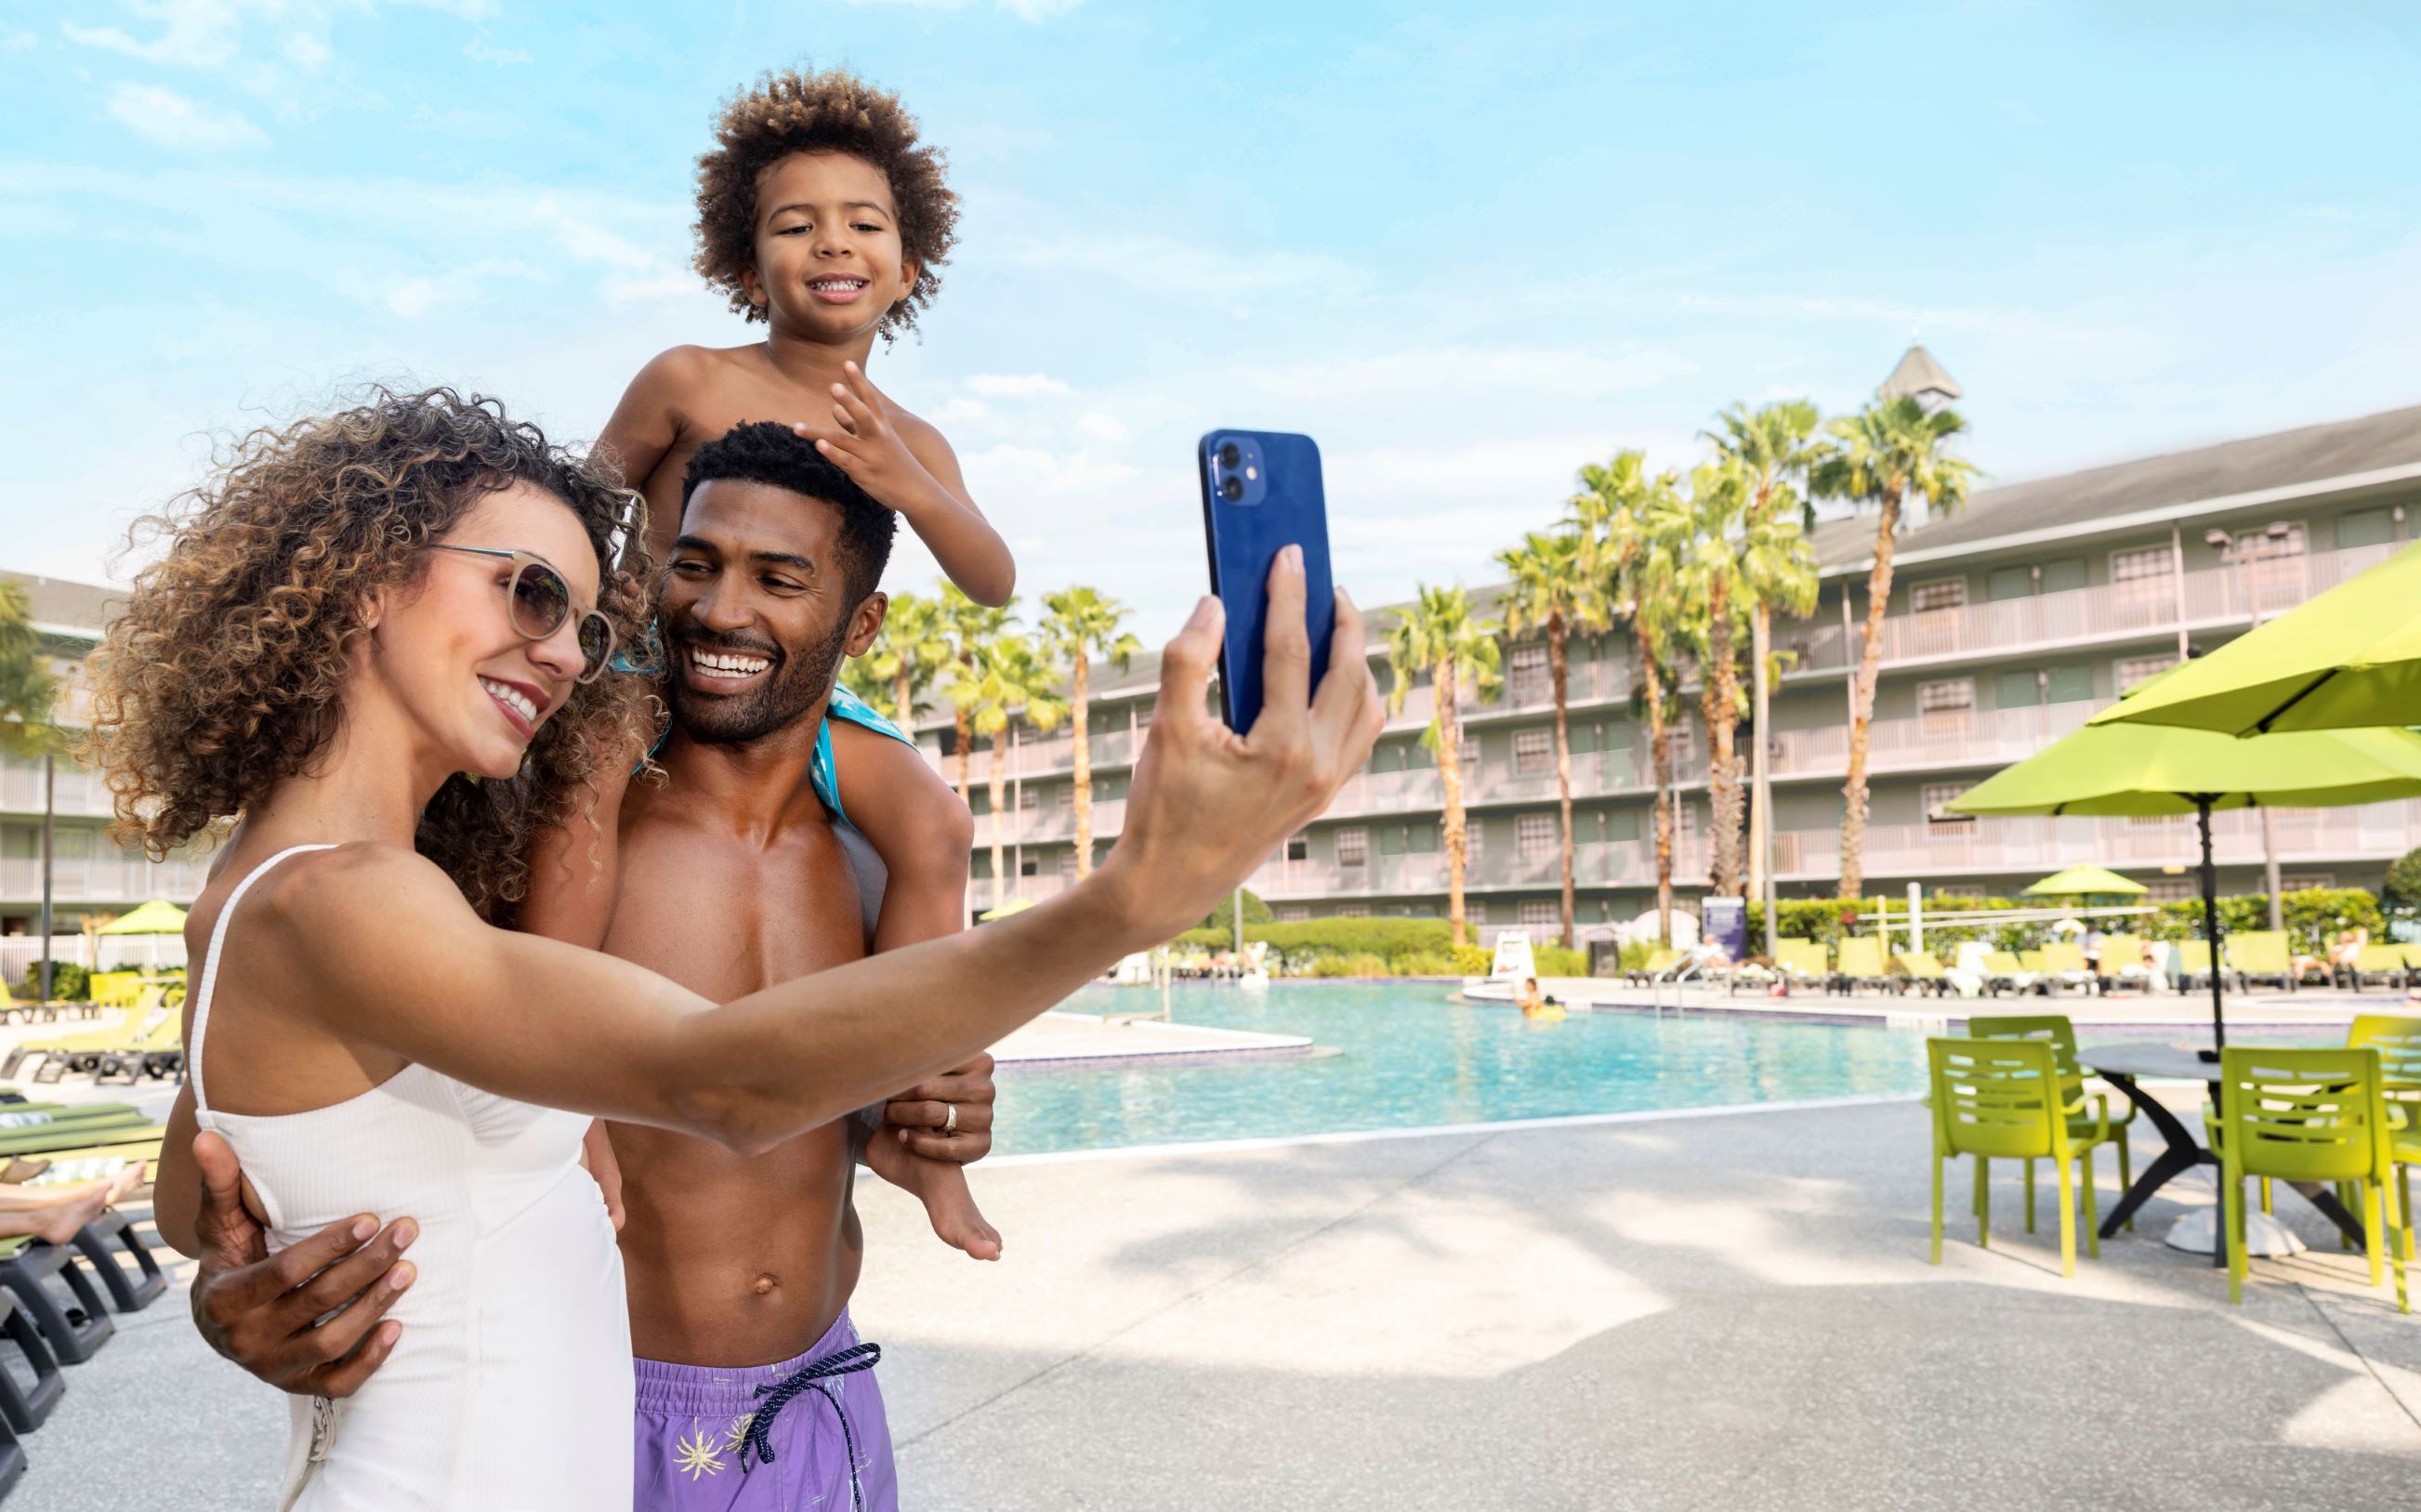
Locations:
(832, 110)
(225, 673)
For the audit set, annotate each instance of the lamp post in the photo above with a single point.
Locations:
(2241, 551)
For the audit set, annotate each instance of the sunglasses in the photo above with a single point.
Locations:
(540, 602)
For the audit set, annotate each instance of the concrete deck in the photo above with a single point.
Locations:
(1726, 1312)
(2313, 1008)
(1091, 1042)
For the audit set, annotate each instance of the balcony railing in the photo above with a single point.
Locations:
(110, 879)
(78, 791)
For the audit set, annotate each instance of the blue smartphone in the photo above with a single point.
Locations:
(1260, 492)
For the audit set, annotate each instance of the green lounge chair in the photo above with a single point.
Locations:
(25, 1407)
(74, 1331)
(1999, 1100)
(1660, 961)
(2063, 965)
(52, 1135)
(2005, 971)
(1920, 971)
(2057, 1030)
(2122, 961)
(2194, 965)
(2261, 956)
(2308, 1115)
(1859, 962)
(2384, 964)
(1802, 962)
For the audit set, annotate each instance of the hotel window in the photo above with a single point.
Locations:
(1943, 708)
(2169, 890)
(1534, 752)
(2142, 576)
(2066, 575)
(1534, 836)
(2135, 669)
(1958, 890)
(1476, 911)
(1028, 866)
(1530, 677)
(1421, 837)
(1068, 862)
(1473, 834)
(2365, 527)
(1942, 593)
(2017, 690)
(1068, 798)
(1582, 736)
(1292, 913)
(1352, 846)
(1937, 813)
(1679, 738)
(1541, 914)
(1028, 797)
(1298, 849)
(1387, 756)
(2010, 583)
(2292, 882)
(1391, 839)
(2068, 685)
(1353, 911)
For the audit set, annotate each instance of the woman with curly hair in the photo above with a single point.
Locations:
(379, 643)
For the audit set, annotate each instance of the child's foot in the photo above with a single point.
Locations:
(960, 1226)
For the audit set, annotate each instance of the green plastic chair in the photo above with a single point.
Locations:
(1860, 962)
(1922, 971)
(2261, 955)
(1661, 959)
(2003, 968)
(2383, 962)
(2122, 960)
(2057, 1030)
(2001, 1099)
(2398, 1040)
(2309, 1115)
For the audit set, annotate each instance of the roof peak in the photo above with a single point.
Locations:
(1917, 374)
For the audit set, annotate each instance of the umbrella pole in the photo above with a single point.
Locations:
(2211, 921)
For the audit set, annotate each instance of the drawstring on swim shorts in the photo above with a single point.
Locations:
(813, 1376)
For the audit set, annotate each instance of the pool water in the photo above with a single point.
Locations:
(1409, 1057)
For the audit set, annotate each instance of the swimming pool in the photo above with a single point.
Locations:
(1407, 1056)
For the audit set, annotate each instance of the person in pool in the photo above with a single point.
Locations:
(377, 642)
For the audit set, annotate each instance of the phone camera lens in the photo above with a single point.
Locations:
(1233, 488)
(1229, 455)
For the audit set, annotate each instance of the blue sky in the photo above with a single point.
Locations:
(1468, 252)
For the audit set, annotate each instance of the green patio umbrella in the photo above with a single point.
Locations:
(2349, 659)
(2085, 881)
(159, 916)
(2134, 771)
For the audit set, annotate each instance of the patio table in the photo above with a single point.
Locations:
(2121, 1066)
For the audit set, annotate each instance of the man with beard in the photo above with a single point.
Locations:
(727, 876)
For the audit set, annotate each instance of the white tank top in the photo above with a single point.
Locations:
(510, 1388)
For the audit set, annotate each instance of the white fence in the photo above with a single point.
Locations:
(21, 955)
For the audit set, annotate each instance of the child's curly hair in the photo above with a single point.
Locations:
(831, 110)
(225, 675)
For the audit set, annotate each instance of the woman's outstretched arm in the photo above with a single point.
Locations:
(385, 943)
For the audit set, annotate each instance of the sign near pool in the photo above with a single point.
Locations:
(1723, 924)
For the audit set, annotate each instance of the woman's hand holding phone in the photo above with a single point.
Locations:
(1210, 805)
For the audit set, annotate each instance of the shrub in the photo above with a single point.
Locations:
(1472, 960)
(1423, 963)
(1634, 955)
(70, 982)
(1223, 918)
(2402, 889)
(1349, 965)
(1555, 960)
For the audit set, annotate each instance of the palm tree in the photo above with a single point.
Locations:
(1776, 446)
(1554, 591)
(910, 650)
(1084, 624)
(1630, 517)
(1438, 634)
(1712, 598)
(28, 693)
(1779, 570)
(1880, 456)
(969, 626)
(1006, 677)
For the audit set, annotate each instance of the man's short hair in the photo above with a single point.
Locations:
(765, 451)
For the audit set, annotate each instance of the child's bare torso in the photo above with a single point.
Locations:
(724, 387)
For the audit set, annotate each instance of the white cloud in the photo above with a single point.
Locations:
(1025, 10)
(481, 52)
(1015, 385)
(20, 42)
(1465, 368)
(166, 119)
(306, 50)
(199, 34)
(1102, 426)
(413, 297)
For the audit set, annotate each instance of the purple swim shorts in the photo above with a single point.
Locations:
(806, 1433)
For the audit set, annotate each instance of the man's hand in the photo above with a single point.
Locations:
(868, 447)
(1208, 805)
(261, 1311)
(920, 1117)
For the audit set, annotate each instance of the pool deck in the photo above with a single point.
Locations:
(2321, 1008)
(1658, 1314)
(1084, 1041)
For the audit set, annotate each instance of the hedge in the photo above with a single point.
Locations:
(2313, 916)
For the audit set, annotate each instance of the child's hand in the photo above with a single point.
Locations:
(869, 448)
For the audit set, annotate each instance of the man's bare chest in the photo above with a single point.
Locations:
(726, 919)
